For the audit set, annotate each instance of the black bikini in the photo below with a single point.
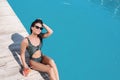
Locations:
(32, 49)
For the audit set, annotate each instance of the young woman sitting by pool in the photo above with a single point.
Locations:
(33, 44)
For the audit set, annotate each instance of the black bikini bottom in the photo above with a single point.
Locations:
(37, 59)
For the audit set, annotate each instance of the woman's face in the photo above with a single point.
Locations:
(37, 28)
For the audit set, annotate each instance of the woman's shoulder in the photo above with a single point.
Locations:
(25, 40)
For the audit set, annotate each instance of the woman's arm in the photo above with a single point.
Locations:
(22, 52)
(49, 31)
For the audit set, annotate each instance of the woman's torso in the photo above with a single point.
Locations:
(34, 47)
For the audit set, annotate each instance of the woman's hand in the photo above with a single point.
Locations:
(26, 71)
(49, 31)
(25, 66)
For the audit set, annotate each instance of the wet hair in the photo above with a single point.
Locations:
(33, 24)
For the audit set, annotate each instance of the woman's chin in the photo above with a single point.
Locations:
(38, 33)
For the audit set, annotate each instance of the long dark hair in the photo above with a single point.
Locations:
(33, 24)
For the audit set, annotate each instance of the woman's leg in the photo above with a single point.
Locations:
(42, 67)
(49, 61)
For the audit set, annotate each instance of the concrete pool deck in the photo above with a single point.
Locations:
(12, 32)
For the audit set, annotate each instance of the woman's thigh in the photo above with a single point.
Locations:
(39, 66)
(47, 60)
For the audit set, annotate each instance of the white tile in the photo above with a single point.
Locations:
(3, 3)
(9, 20)
(13, 29)
(2, 0)
(6, 11)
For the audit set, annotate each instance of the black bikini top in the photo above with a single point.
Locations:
(31, 48)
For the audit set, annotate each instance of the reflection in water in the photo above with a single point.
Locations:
(111, 5)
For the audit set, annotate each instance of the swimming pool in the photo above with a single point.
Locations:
(86, 39)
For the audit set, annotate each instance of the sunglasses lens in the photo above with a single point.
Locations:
(41, 28)
(37, 27)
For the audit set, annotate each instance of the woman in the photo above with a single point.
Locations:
(32, 44)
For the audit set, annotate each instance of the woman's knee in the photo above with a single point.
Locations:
(50, 70)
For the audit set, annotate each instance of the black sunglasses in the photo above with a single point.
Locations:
(37, 27)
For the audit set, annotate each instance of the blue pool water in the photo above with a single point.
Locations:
(86, 40)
